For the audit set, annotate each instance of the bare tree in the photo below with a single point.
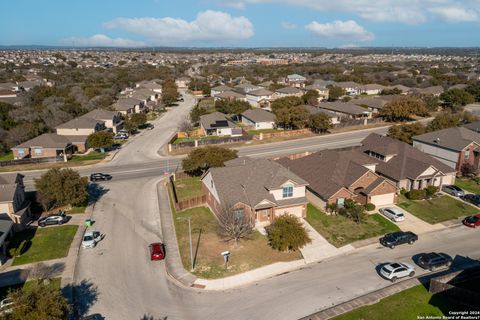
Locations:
(186, 126)
(234, 224)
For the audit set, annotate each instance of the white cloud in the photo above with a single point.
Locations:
(404, 11)
(288, 25)
(209, 26)
(340, 29)
(101, 40)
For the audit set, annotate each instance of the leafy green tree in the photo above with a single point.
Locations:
(282, 118)
(196, 112)
(169, 92)
(335, 93)
(311, 97)
(199, 85)
(232, 107)
(403, 108)
(449, 119)
(201, 159)
(405, 132)
(39, 302)
(457, 98)
(390, 91)
(100, 139)
(287, 102)
(286, 233)
(135, 121)
(319, 122)
(474, 90)
(63, 186)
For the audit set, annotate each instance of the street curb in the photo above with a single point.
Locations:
(173, 261)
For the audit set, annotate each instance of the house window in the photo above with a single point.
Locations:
(287, 191)
(239, 213)
(21, 152)
(37, 151)
(211, 183)
(466, 155)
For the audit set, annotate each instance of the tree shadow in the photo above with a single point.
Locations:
(95, 192)
(150, 317)
(83, 296)
(43, 271)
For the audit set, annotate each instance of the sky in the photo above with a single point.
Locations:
(242, 23)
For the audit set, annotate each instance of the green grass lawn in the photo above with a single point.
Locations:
(7, 156)
(46, 243)
(247, 255)
(188, 188)
(54, 283)
(340, 230)
(468, 185)
(408, 304)
(437, 210)
(180, 140)
(75, 210)
(91, 156)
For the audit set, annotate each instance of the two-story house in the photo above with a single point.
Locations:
(13, 204)
(259, 188)
(295, 80)
(260, 98)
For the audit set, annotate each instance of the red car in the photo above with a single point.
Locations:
(472, 221)
(157, 251)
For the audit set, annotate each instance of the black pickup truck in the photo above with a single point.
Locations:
(394, 239)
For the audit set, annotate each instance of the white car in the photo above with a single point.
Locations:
(395, 270)
(120, 136)
(393, 213)
(91, 238)
(6, 306)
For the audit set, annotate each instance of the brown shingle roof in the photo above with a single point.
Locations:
(456, 138)
(46, 140)
(259, 115)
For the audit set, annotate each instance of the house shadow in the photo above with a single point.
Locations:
(82, 297)
(95, 192)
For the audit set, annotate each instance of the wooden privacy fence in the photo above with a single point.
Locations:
(6, 163)
(187, 203)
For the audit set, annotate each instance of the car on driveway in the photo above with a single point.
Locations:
(434, 260)
(120, 136)
(157, 251)
(472, 198)
(472, 221)
(453, 190)
(396, 270)
(100, 177)
(394, 214)
(91, 238)
(58, 218)
(396, 238)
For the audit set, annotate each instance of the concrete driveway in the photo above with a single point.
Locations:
(412, 223)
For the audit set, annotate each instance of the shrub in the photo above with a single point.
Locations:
(287, 233)
(416, 194)
(430, 191)
(370, 207)
(403, 191)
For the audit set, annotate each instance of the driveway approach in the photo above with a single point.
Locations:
(130, 285)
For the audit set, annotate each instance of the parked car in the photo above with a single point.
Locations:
(6, 306)
(472, 221)
(157, 251)
(100, 177)
(393, 213)
(91, 238)
(149, 126)
(120, 136)
(95, 316)
(396, 238)
(58, 218)
(396, 270)
(434, 260)
(472, 198)
(453, 190)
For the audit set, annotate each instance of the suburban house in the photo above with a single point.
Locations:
(336, 175)
(455, 146)
(430, 91)
(182, 82)
(288, 92)
(259, 188)
(321, 87)
(128, 106)
(334, 118)
(218, 124)
(260, 98)
(346, 110)
(258, 119)
(374, 104)
(230, 95)
(150, 85)
(405, 166)
(219, 89)
(44, 146)
(404, 89)
(13, 205)
(370, 89)
(78, 130)
(295, 80)
(351, 88)
(112, 119)
(245, 88)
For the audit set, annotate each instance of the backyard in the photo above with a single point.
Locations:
(468, 185)
(438, 209)
(187, 188)
(340, 230)
(247, 255)
(7, 156)
(408, 304)
(44, 244)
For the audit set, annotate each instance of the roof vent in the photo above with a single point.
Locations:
(436, 140)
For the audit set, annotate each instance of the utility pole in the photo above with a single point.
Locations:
(190, 237)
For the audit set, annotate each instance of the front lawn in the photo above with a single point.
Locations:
(468, 185)
(74, 210)
(438, 209)
(340, 230)
(188, 188)
(408, 304)
(249, 253)
(45, 244)
(26, 286)
(7, 156)
(95, 155)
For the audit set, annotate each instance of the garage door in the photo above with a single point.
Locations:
(296, 211)
(383, 199)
